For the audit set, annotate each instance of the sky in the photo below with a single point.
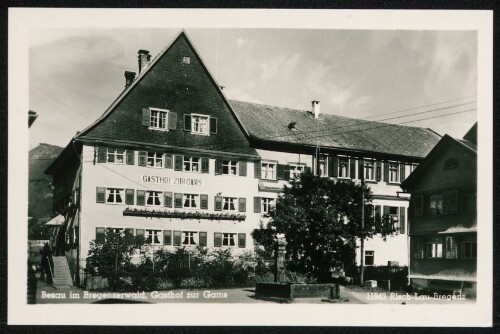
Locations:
(405, 77)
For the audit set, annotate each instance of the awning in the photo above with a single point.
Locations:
(459, 229)
(56, 221)
(270, 186)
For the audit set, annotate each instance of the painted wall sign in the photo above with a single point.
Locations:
(172, 180)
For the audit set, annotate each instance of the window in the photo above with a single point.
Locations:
(119, 230)
(469, 203)
(199, 124)
(393, 172)
(153, 237)
(436, 205)
(158, 119)
(450, 202)
(189, 238)
(228, 204)
(186, 60)
(419, 206)
(394, 216)
(114, 195)
(153, 198)
(434, 249)
(155, 159)
(369, 170)
(229, 167)
(419, 252)
(296, 170)
(451, 163)
(228, 239)
(369, 258)
(469, 250)
(343, 167)
(190, 201)
(451, 248)
(267, 204)
(191, 164)
(322, 165)
(268, 171)
(116, 155)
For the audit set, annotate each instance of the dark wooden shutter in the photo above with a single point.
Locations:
(130, 158)
(213, 125)
(257, 204)
(386, 172)
(335, 166)
(242, 240)
(141, 197)
(178, 200)
(386, 210)
(169, 163)
(352, 166)
(143, 158)
(329, 162)
(100, 234)
(378, 171)
(361, 169)
(167, 199)
(205, 165)
(172, 120)
(280, 171)
(402, 217)
(218, 167)
(100, 194)
(242, 204)
(177, 238)
(402, 173)
(378, 211)
(204, 202)
(139, 233)
(129, 196)
(257, 169)
(218, 203)
(102, 154)
(217, 239)
(187, 122)
(203, 239)
(146, 117)
(242, 168)
(167, 237)
(178, 159)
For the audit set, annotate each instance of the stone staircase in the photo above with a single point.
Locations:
(62, 275)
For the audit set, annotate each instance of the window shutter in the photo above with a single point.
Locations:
(205, 165)
(146, 117)
(129, 196)
(167, 199)
(378, 171)
(203, 239)
(378, 211)
(141, 197)
(178, 162)
(213, 125)
(130, 157)
(101, 154)
(187, 122)
(280, 173)
(402, 217)
(242, 240)
(178, 200)
(100, 234)
(167, 237)
(139, 233)
(361, 169)
(402, 172)
(100, 194)
(218, 203)
(242, 204)
(286, 172)
(218, 167)
(329, 161)
(256, 204)
(143, 158)
(335, 166)
(386, 210)
(204, 202)
(217, 239)
(169, 161)
(386, 172)
(257, 169)
(242, 168)
(172, 120)
(177, 238)
(352, 166)
(129, 231)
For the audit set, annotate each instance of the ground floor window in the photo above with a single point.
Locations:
(189, 238)
(153, 237)
(369, 257)
(469, 249)
(190, 201)
(155, 159)
(228, 239)
(114, 195)
(267, 204)
(434, 249)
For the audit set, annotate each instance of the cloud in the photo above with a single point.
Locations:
(279, 67)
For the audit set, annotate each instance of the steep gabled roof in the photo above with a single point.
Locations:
(271, 123)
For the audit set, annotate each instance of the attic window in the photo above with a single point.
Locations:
(451, 163)
(186, 60)
(292, 127)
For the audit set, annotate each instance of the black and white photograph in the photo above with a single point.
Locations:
(247, 162)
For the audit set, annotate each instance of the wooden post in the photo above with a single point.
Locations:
(279, 259)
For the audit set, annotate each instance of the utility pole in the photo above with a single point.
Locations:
(362, 261)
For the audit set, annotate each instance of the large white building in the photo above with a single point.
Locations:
(174, 160)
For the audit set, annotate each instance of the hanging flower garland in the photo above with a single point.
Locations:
(182, 215)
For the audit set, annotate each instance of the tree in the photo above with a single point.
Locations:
(321, 220)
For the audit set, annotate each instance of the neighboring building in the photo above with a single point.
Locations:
(443, 224)
(174, 161)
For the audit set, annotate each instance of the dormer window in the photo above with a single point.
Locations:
(451, 163)
(186, 60)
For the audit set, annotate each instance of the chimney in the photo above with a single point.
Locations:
(315, 109)
(129, 78)
(144, 57)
